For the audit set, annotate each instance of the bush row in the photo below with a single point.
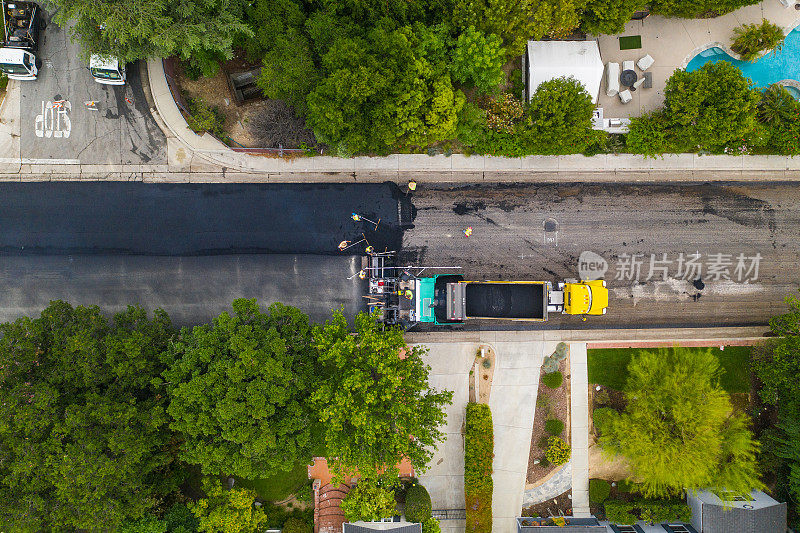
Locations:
(478, 456)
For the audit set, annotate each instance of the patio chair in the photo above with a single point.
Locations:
(612, 79)
(648, 80)
(625, 96)
(646, 62)
(639, 82)
(627, 65)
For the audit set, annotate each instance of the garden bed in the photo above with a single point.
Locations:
(236, 128)
(551, 403)
(481, 375)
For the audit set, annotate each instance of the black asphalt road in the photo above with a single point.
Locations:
(189, 249)
(192, 290)
(59, 218)
(530, 232)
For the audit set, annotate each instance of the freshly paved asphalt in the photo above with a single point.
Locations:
(189, 249)
(117, 129)
(191, 219)
(510, 240)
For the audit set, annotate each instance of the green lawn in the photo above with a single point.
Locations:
(279, 486)
(609, 367)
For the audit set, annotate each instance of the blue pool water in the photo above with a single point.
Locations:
(772, 68)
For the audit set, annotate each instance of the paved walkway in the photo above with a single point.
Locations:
(672, 42)
(579, 417)
(559, 483)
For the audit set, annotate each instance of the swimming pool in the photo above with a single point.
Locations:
(772, 68)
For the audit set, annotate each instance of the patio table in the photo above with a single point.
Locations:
(628, 78)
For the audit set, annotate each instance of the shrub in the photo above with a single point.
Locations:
(277, 124)
(752, 39)
(629, 512)
(649, 134)
(369, 501)
(295, 525)
(599, 490)
(554, 426)
(431, 525)
(558, 451)
(418, 503)
(471, 124)
(625, 486)
(602, 398)
(478, 455)
(553, 380)
(602, 417)
(503, 112)
(205, 118)
(478, 58)
(543, 461)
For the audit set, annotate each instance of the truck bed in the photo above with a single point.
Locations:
(505, 300)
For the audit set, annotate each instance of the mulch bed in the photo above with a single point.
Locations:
(558, 506)
(558, 408)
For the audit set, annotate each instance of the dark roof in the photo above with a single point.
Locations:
(770, 519)
(404, 528)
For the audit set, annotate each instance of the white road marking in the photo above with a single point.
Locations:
(49, 122)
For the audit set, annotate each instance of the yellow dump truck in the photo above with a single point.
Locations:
(449, 299)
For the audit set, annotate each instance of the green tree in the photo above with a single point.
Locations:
(383, 92)
(677, 430)
(238, 388)
(199, 31)
(608, 16)
(83, 430)
(778, 365)
(377, 408)
(712, 108)
(369, 501)
(227, 511)
(559, 118)
(288, 71)
(478, 59)
(752, 39)
(517, 21)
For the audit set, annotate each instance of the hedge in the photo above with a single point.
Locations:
(418, 503)
(478, 455)
(630, 512)
(599, 490)
(553, 380)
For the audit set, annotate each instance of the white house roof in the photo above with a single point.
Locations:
(548, 60)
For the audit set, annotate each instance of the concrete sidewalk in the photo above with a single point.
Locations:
(579, 417)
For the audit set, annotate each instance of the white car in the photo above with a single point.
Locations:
(18, 64)
(107, 71)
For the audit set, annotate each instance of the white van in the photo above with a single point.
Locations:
(107, 71)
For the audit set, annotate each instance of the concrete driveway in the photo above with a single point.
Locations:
(512, 400)
(57, 125)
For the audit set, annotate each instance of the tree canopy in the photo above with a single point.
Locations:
(678, 430)
(200, 31)
(238, 391)
(383, 90)
(84, 440)
(227, 510)
(369, 501)
(376, 407)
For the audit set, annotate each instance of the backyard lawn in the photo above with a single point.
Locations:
(280, 486)
(609, 366)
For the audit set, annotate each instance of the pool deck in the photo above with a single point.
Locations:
(673, 42)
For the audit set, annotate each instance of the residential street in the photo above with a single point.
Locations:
(68, 117)
(530, 232)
